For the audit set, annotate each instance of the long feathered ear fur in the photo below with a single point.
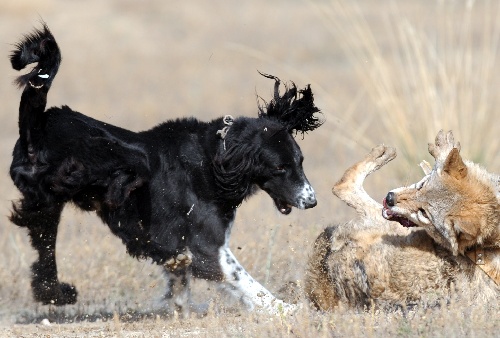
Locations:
(295, 109)
(233, 169)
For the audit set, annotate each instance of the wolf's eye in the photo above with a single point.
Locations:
(423, 217)
(422, 211)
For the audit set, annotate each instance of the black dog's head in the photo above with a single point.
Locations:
(262, 152)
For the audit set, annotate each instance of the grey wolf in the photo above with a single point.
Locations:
(374, 261)
(170, 193)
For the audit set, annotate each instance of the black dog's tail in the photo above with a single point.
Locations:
(37, 47)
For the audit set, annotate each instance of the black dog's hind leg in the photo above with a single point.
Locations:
(178, 274)
(42, 224)
(178, 294)
(119, 189)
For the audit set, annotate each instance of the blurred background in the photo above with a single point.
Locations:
(393, 72)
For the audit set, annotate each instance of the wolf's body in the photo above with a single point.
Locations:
(374, 261)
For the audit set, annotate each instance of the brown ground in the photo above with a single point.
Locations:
(135, 64)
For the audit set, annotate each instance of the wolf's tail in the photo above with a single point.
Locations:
(37, 47)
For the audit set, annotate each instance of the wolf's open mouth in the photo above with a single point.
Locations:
(283, 207)
(389, 215)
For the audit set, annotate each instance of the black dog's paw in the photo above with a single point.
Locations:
(69, 294)
(55, 293)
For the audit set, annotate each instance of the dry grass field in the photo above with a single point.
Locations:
(392, 72)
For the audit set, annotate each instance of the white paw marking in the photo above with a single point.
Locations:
(247, 289)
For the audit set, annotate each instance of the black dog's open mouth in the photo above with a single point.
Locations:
(283, 207)
(389, 215)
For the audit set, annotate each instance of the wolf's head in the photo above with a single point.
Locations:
(456, 202)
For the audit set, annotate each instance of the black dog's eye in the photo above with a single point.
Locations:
(279, 170)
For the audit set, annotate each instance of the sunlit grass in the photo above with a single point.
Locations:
(421, 74)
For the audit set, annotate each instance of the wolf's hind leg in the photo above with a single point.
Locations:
(350, 187)
(442, 146)
(42, 226)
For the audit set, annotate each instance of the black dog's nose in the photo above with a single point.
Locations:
(310, 204)
(390, 199)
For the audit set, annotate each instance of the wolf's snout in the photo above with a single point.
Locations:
(390, 199)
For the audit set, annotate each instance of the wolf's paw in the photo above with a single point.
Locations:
(380, 156)
(443, 145)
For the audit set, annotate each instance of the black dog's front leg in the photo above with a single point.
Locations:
(42, 227)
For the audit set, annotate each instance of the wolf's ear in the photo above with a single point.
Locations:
(468, 232)
(454, 165)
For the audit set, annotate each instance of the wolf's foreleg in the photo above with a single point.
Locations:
(350, 187)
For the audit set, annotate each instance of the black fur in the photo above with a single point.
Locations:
(162, 191)
(296, 115)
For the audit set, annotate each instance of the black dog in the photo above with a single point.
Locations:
(170, 193)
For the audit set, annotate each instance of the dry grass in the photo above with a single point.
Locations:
(423, 72)
(389, 72)
(436, 323)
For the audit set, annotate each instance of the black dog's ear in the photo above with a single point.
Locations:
(233, 170)
(294, 109)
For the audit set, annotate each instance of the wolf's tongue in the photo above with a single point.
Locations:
(406, 222)
(389, 215)
(386, 212)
